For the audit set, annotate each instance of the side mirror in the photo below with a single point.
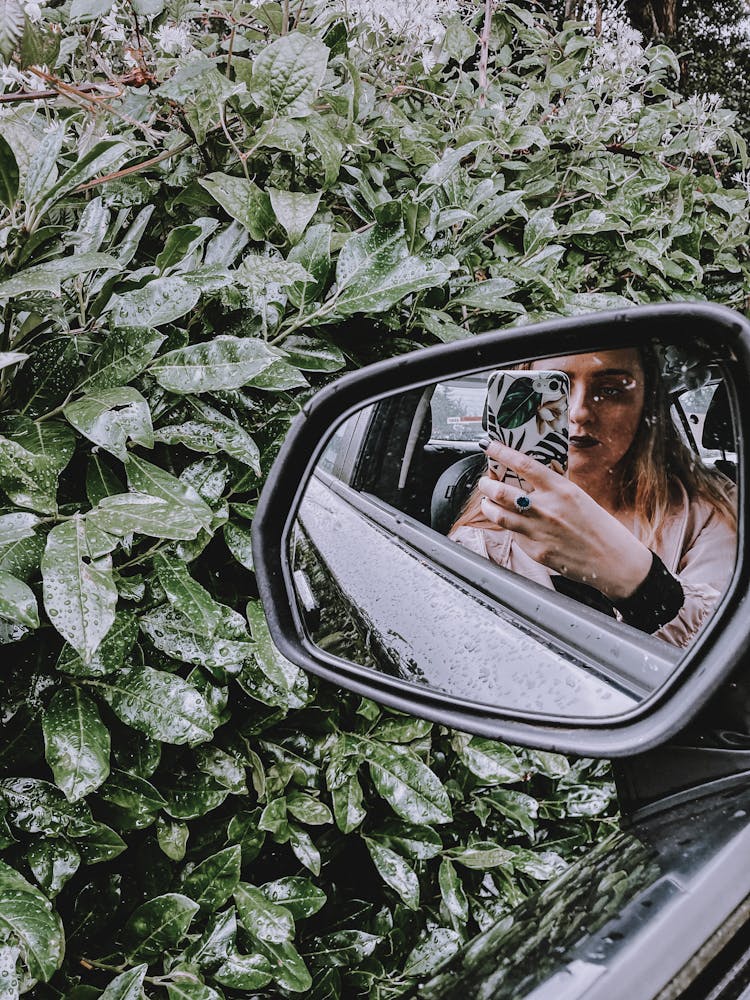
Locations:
(542, 617)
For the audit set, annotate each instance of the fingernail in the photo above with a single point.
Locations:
(484, 443)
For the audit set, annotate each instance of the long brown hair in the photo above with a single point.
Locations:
(656, 461)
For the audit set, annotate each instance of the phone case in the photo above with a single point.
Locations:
(528, 411)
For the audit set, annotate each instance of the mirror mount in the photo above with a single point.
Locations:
(717, 651)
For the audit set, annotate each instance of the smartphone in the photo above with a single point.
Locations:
(528, 411)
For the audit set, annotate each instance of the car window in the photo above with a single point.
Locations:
(456, 410)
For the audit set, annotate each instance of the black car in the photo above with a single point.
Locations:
(363, 586)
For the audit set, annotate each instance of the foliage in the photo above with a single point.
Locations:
(208, 216)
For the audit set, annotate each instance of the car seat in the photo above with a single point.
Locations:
(718, 431)
(453, 489)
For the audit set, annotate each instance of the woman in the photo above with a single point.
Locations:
(639, 528)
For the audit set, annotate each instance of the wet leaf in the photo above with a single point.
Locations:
(27, 917)
(414, 791)
(76, 743)
(110, 418)
(157, 925)
(79, 591)
(222, 363)
(300, 896)
(287, 74)
(17, 601)
(161, 301)
(125, 352)
(395, 872)
(212, 882)
(53, 861)
(161, 705)
(265, 920)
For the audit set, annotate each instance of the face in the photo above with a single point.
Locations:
(606, 406)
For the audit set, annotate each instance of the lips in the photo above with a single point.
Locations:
(583, 441)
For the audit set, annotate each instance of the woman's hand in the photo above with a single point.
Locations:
(564, 529)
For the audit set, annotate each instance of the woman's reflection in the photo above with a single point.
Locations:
(640, 528)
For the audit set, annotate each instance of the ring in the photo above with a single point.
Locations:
(523, 503)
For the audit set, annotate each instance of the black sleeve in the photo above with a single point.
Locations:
(655, 602)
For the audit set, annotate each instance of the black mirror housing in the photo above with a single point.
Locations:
(710, 660)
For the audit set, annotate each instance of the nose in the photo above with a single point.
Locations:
(580, 411)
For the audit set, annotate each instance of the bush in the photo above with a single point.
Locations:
(208, 214)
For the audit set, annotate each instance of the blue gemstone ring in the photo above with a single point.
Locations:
(523, 503)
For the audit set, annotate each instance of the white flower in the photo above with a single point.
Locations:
(110, 27)
(624, 52)
(173, 39)
(420, 20)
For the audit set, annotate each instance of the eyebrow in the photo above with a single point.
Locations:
(613, 371)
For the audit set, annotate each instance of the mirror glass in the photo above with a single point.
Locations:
(548, 536)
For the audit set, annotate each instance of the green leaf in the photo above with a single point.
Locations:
(421, 842)
(30, 480)
(265, 920)
(101, 481)
(155, 482)
(238, 539)
(14, 527)
(9, 358)
(345, 948)
(53, 862)
(244, 972)
(298, 895)
(9, 980)
(211, 433)
(158, 925)
(414, 791)
(294, 210)
(124, 354)
(375, 271)
(76, 743)
(483, 856)
(281, 682)
(103, 844)
(190, 795)
(212, 882)
(29, 281)
(308, 809)
(173, 837)
(99, 157)
(313, 253)
(348, 807)
(112, 417)
(11, 27)
(163, 706)
(161, 301)
(111, 654)
(127, 986)
(186, 985)
(9, 175)
(243, 200)
(312, 355)
(37, 806)
(491, 761)
(486, 294)
(288, 73)
(439, 946)
(79, 591)
(186, 595)
(87, 10)
(17, 601)
(395, 872)
(174, 634)
(452, 891)
(40, 45)
(26, 915)
(222, 363)
(127, 513)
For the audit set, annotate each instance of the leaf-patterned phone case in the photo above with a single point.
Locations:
(528, 411)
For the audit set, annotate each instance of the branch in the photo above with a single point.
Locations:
(484, 53)
(135, 168)
(45, 95)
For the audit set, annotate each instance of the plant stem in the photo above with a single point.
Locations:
(484, 53)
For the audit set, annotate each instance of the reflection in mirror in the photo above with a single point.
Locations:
(545, 538)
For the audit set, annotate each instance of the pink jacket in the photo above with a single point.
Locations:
(696, 544)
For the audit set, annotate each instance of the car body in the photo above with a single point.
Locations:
(661, 908)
